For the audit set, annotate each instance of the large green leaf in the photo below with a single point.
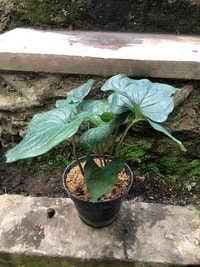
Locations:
(120, 103)
(117, 82)
(47, 130)
(152, 100)
(100, 180)
(121, 82)
(94, 136)
(98, 106)
(161, 128)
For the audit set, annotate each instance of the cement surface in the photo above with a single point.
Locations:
(143, 233)
(101, 53)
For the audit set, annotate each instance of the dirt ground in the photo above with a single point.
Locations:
(42, 177)
(151, 189)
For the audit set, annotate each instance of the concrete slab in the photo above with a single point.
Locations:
(143, 234)
(101, 53)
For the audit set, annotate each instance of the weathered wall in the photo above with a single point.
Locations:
(22, 95)
(177, 16)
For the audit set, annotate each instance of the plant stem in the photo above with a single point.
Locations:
(118, 148)
(76, 156)
(113, 142)
(99, 148)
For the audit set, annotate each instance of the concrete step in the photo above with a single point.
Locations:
(101, 53)
(143, 235)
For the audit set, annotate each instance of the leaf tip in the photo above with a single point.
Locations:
(183, 148)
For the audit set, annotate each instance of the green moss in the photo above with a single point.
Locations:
(134, 16)
(177, 164)
(53, 160)
(45, 13)
(191, 167)
(169, 175)
(43, 261)
(163, 161)
(137, 151)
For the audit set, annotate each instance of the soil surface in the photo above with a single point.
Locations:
(75, 183)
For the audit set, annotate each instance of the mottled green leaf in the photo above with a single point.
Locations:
(96, 135)
(100, 180)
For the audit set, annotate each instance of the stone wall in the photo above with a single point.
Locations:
(23, 95)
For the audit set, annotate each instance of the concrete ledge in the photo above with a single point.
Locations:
(101, 53)
(142, 234)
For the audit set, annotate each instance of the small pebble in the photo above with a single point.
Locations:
(139, 198)
(50, 213)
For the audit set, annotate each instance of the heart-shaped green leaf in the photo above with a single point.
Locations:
(48, 129)
(79, 93)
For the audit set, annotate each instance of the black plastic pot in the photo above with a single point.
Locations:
(99, 213)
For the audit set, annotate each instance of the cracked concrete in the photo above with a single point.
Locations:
(143, 233)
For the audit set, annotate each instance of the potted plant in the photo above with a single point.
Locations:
(125, 102)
